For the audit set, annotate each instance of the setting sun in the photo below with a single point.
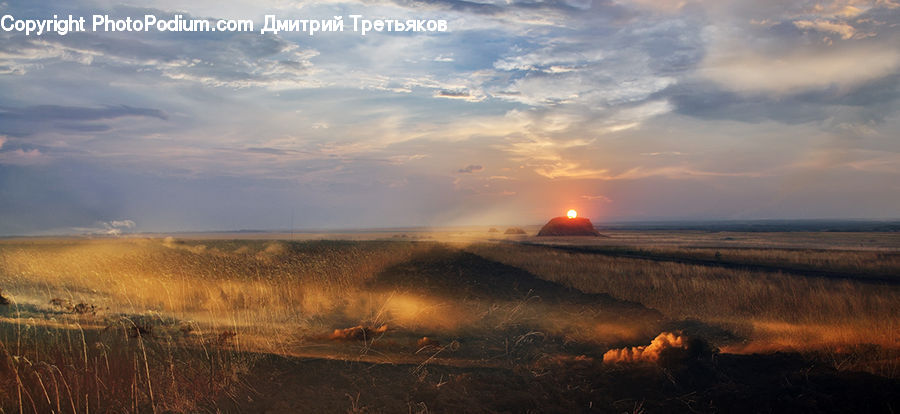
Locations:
(572, 214)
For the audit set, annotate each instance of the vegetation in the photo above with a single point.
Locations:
(766, 311)
(166, 325)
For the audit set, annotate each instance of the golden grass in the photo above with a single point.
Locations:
(262, 287)
(245, 284)
(773, 311)
(210, 305)
(200, 304)
(859, 262)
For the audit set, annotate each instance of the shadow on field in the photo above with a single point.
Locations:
(459, 275)
(496, 309)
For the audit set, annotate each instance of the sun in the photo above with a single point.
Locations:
(572, 214)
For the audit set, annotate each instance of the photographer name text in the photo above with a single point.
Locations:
(178, 23)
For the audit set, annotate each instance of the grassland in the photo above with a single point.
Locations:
(764, 310)
(452, 324)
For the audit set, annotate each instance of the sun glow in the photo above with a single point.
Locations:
(572, 214)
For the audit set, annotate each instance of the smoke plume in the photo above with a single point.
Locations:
(650, 353)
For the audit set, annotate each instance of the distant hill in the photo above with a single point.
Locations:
(564, 226)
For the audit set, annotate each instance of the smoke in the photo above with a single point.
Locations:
(121, 223)
(650, 353)
(115, 227)
(105, 228)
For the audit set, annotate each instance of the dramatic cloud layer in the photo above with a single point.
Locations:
(622, 109)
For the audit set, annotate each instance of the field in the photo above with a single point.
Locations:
(452, 321)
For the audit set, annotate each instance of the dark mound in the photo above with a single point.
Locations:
(564, 226)
(514, 230)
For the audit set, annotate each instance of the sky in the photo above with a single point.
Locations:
(621, 109)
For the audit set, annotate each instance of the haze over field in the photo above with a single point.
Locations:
(621, 109)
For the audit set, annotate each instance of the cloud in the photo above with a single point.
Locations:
(833, 109)
(471, 168)
(790, 48)
(872, 161)
(233, 60)
(459, 94)
(602, 71)
(32, 119)
(844, 30)
(546, 58)
(522, 12)
(271, 151)
(567, 169)
(600, 198)
(74, 113)
(23, 157)
(662, 153)
(20, 55)
(795, 72)
(596, 77)
(455, 5)
(848, 8)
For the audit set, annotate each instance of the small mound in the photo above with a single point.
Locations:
(3, 299)
(493, 230)
(514, 230)
(564, 226)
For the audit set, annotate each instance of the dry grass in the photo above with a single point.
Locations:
(167, 314)
(158, 325)
(791, 240)
(70, 368)
(771, 311)
(858, 262)
(244, 285)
